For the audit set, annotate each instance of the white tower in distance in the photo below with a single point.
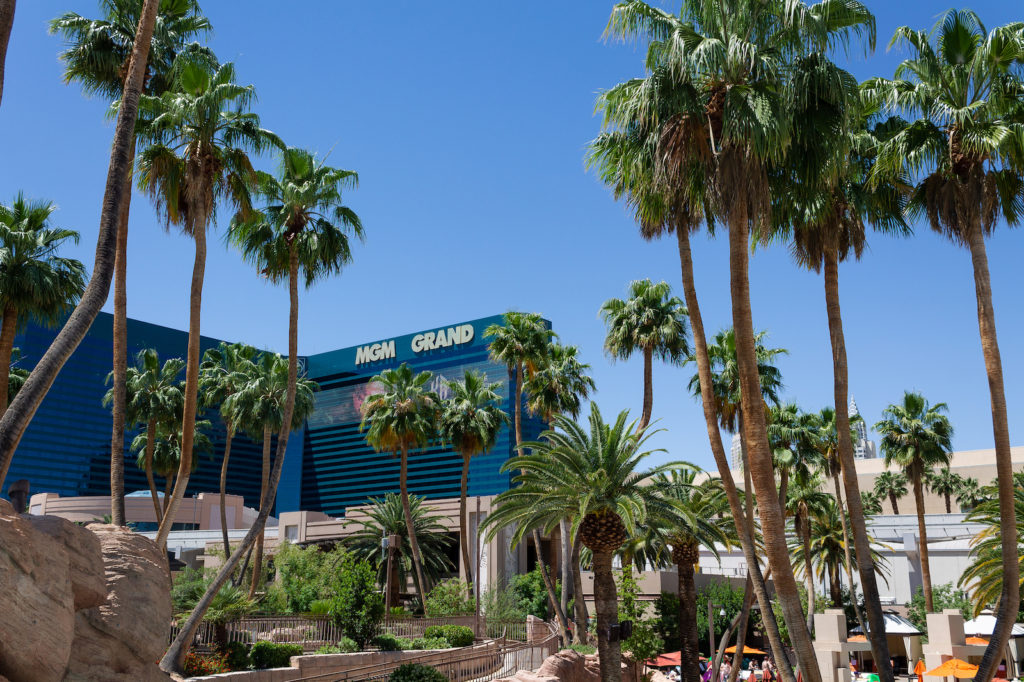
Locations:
(736, 452)
(862, 447)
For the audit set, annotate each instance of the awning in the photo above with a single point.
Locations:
(746, 650)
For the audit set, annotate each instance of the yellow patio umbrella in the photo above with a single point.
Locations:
(746, 650)
(954, 667)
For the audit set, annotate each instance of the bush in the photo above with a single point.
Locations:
(320, 607)
(355, 605)
(270, 655)
(945, 596)
(414, 672)
(450, 597)
(531, 594)
(237, 655)
(328, 649)
(197, 665)
(348, 646)
(584, 649)
(644, 643)
(306, 574)
(503, 605)
(457, 635)
(430, 643)
(388, 642)
(666, 622)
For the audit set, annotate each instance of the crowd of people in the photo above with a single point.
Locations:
(751, 670)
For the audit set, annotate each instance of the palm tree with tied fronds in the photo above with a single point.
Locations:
(197, 137)
(651, 322)
(385, 517)
(402, 416)
(154, 399)
(945, 482)
(98, 56)
(891, 485)
(962, 85)
(470, 421)
(35, 282)
(224, 372)
(917, 436)
(596, 472)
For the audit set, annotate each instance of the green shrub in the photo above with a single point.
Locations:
(355, 605)
(457, 635)
(197, 665)
(328, 649)
(414, 672)
(450, 597)
(400, 612)
(584, 649)
(237, 655)
(388, 642)
(348, 646)
(320, 607)
(270, 655)
(430, 643)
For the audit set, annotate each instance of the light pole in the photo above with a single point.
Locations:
(711, 635)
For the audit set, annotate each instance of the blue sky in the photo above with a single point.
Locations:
(467, 123)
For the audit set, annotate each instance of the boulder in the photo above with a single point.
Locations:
(38, 614)
(122, 639)
(570, 666)
(85, 562)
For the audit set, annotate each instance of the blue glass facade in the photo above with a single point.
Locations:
(328, 466)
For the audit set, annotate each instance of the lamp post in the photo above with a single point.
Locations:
(711, 635)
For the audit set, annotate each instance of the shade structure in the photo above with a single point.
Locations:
(746, 650)
(984, 625)
(954, 667)
(980, 641)
(666, 660)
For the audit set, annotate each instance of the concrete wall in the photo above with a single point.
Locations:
(202, 510)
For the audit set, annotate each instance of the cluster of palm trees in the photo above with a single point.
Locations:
(742, 119)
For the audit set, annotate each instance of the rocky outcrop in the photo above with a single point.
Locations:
(568, 666)
(80, 604)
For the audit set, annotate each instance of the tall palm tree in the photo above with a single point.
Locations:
(962, 85)
(154, 399)
(917, 437)
(652, 322)
(258, 407)
(470, 421)
(643, 113)
(871, 502)
(521, 342)
(6, 23)
(163, 457)
(970, 494)
(983, 578)
(700, 513)
(197, 137)
(402, 416)
(386, 517)
(98, 55)
(791, 434)
(893, 485)
(35, 283)
(945, 482)
(224, 372)
(805, 501)
(23, 408)
(597, 472)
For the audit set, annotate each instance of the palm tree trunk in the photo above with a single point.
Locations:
(949, 507)
(580, 604)
(168, 481)
(715, 659)
(1009, 599)
(773, 527)
(174, 658)
(16, 419)
(922, 531)
(150, 444)
(700, 346)
(414, 544)
(188, 418)
(464, 522)
(120, 343)
(848, 555)
(645, 416)
(783, 488)
(6, 22)
(741, 636)
(892, 501)
(223, 490)
(564, 563)
(607, 605)
(834, 589)
(257, 567)
(741, 632)
(689, 643)
(862, 544)
(8, 325)
(805, 535)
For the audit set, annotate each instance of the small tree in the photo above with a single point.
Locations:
(355, 605)
(450, 597)
(945, 596)
(644, 643)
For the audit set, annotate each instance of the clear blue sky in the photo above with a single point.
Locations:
(467, 124)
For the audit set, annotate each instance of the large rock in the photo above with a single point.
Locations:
(38, 604)
(569, 666)
(85, 562)
(122, 639)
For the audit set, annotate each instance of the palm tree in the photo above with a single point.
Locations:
(224, 372)
(917, 436)
(970, 494)
(98, 56)
(35, 283)
(386, 517)
(163, 457)
(700, 520)
(198, 136)
(597, 473)
(945, 482)
(17, 418)
(871, 502)
(6, 22)
(791, 434)
(16, 375)
(652, 322)
(470, 421)
(154, 399)
(805, 501)
(962, 85)
(521, 343)
(402, 416)
(891, 484)
(983, 578)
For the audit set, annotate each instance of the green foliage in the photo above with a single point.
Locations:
(430, 643)
(400, 612)
(266, 655)
(726, 597)
(584, 649)
(414, 672)
(945, 596)
(503, 605)
(355, 605)
(236, 655)
(306, 574)
(196, 665)
(188, 587)
(320, 607)
(645, 642)
(388, 642)
(450, 597)
(666, 621)
(348, 645)
(274, 599)
(530, 593)
(328, 649)
(457, 635)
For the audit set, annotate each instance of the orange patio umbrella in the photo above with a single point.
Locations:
(977, 640)
(746, 650)
(954, 667)
(919, 669)
(666, 660)
(857, 638)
